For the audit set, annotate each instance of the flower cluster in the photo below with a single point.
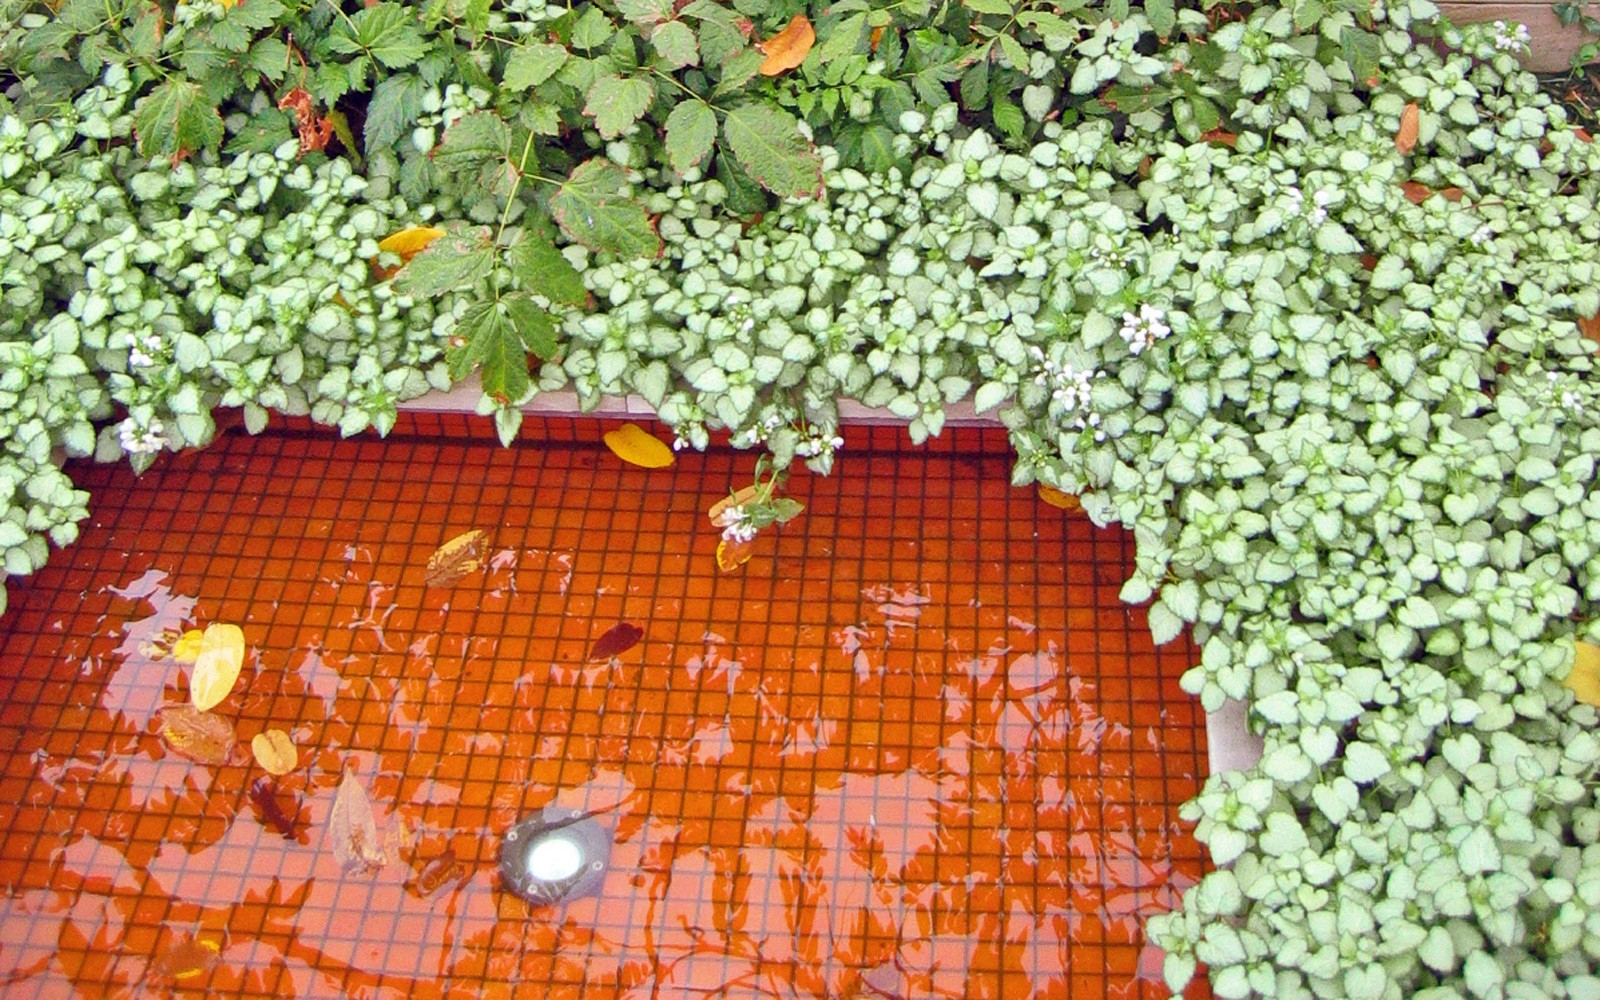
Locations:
(144, 351)
(138, 440)
(1144, 329)
(1570, 400)
(818, 444)
(1319, 203)
(756, 433)
(1071, 388)
(1511, 37)
(736, 524)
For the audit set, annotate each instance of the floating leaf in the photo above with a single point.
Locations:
(1056, 498)
(1405, 140)
(616, 640)
(185, 958)
(292, 823)
(275, 751)
(787, 49)
(216, 665)
(188, 646)
(1584, 680)
(197, 735)
(738, 499)
(635, 445)
(354, 829)
(437, 873)
(731, 555)
(453, 560)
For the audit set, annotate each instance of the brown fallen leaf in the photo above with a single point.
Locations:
(216, 665)
(437, 873)
(452, 561)
(787, 49)
(1416, 193)
(274, 751)
(1583, 134)
(875, 37)
(1056, 498)
(354, 830)
(1589, 326)
(616, 640)
(1405, 140)
(1451, 193)
(1221, 137)
(292, 822)
(185, 958)
(199, 736)
(731, 555)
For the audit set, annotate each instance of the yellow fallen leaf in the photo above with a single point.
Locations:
(1584, 680)
(1056, 498)
(275, 751)
(411, 241)
(634, 445)
(732, 555)
(188, 646)
(216, 665)
(186, 958)
(787, 49)
(457, 557)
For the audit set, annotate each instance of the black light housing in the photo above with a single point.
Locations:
(553, 856)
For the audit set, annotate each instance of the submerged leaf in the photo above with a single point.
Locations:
(739, 498)
(275, 751)
(453, 560)
(618, 639)
(185, 958)
(787, 49)
(731, 555)
(437, 873)
(634, 445)
(1056, 498)
(1584, 680)
(188, 646)
(197, 735)
(216, 665)
(291, 822)
(354, 830)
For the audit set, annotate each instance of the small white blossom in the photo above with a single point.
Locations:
(138, 440)
(679, 443)
(1144, 329)
(1481, 235)
(816, 444)
(739, 532)
(1511, 37)
(139, 359)
(1319, 205)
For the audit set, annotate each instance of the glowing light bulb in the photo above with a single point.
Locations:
(554, 859)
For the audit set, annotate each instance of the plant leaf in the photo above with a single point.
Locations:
(185, 958)
(1584, 679)
(1405, 140)
(768, 144)
(386, 31)
(188, 646)
(457, 557)
(787, 49)
(197, 735)
(459, 259)
(532, 65)
(1056, 498)
(409, 242)
(691, 132)
(544, 269)
(786, 509)
(636, 446)
(275, 751)
(175, 119)
(216, 665)
(396, 103)
(354, 830)
(674, 42)
(437, 873)
(615, 641)
(591, 208)
(490, 341)
(731, 555)
(616, 102)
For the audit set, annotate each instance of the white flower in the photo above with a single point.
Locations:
(739, 532)
(1319, 205)
(679, 443)
(1511, 37)
(1481, 235)
(138, 358)
(138, 440)
(1144, 329)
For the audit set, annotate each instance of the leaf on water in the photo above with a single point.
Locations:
(731, 555)
(1584, 680)
(618, 639)
(786, 509)
(216, 665)
(737, 499)
(453, 560)
(185, 958)
(197, 735)
(188, 646)
(635, 445)
(436, 874)
(275, 751)
(787, 49)
(1056, 498)
(1405, 140)
(354, 829)
(291, 822)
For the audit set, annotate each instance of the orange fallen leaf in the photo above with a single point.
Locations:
(1416, 193)
(274, 751)
(877, 36)
(454, 559)
(634, 445)
(406, 243)
(199, 736)
(1583, 134)
(731, 555)
(216, 665)
(787, 49)
(1056, 498)
(188, 646)
(1589, 326)
(1451, 193)
(436, 873)
(186, 958)
(1220, 137)
(1405, 140)
(1584, 679)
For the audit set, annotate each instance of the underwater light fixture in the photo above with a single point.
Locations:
(554, 855)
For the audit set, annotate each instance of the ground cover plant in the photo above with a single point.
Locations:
(1295, 292)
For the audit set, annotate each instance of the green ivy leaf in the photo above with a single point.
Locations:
(691, 132)
(532, 65)
(674, 42)
(541, 268)
(459, 259)
(592, 208)
(396, 103)
(616, 102)
(175, 120)
(768, 144)
(387, 32)
(496, 337)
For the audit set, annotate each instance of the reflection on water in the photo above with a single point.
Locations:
(914, 771)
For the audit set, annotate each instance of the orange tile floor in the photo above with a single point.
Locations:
(914, 748)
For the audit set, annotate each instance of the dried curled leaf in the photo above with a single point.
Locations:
(1056, 498)
(197, 735)
(275, 751)
(1416, 193)
(292, 822)
(1584, 680)
(618, 639)
(185, 958)
(216, 665)
(436, 874)
(787, 49)
(354, 830)
(1405, 140)
(453, 560)
(731, 555)
(634, 445)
